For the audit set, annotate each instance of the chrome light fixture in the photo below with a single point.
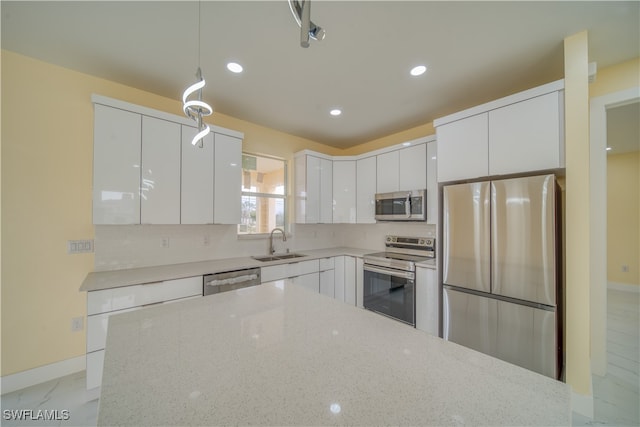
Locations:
(195, 109)
(301, 10)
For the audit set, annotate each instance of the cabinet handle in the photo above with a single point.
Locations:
(152, 303)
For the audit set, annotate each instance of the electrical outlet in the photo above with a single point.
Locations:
(77, 324)
(625, 268)
(79, 246)
(205, 240)
(164, 243)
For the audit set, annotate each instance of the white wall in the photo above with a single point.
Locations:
(131, 246)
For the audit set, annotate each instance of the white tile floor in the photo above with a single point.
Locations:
(63, 394)
(616, 396)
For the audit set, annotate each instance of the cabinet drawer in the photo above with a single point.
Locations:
(303, 267)
(137, 295)
(327, 264)
(283, 271)
(97, 329)
(273, 272)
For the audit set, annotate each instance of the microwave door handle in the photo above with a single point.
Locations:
(407, 206)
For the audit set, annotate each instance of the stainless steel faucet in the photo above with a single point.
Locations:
(284, 239)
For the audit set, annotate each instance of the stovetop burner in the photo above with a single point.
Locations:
(403, 252)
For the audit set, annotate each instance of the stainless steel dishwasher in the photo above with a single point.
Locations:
(231, 280)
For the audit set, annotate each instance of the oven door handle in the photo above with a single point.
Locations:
(396, 273)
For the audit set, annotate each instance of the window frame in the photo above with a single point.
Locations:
(284, 197)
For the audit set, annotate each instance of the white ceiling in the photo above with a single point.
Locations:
(475, 51)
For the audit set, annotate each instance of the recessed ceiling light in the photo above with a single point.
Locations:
(335, 112)
(234, 67)
(608, 148)
(418, 70)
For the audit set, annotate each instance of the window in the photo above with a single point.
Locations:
(264, 201)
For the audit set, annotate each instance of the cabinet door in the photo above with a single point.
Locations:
(427, 301)
(387, 172)
(350, 278)
(413, 168)
(300, 188)
(526, 136)
(344, 191)
(326, 191)
(432, 183)
(463, 148)
(227, 181)
(327, 283)
(196, 195)
(309, 281)
(312, 199)
(359, 282)
(366, 190)
(160, 186)
(339, 278)
(116, 166)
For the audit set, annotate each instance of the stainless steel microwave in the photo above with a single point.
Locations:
(402, 206)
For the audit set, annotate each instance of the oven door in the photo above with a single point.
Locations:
(390, 292)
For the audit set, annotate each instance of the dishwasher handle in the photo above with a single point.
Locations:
(230, 280)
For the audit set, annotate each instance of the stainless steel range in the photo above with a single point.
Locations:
(389, 277)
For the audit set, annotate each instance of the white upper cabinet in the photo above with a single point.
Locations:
(463, 148)
(520, 133)
(527, 136)
(116, 166)
(146, 170)
(344, 191)
(197, 179)
(326, 191)
(313, 189)
(366, 190)
(160, 186)
(432, 183)
(388, 172)
(227, 179)
(413, 167)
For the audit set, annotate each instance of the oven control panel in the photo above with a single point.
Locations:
(420, 244)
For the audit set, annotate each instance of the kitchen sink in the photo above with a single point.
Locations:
(276, 257)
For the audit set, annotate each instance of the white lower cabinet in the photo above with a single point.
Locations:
(286, 271)
(427, 300)
(309, 281)
(105, 303)
(359, 282)
(327, 277)
(345, 279)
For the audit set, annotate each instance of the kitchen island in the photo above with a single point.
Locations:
(278, 354)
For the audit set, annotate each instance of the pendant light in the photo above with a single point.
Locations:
(195, 109)
(301, 10)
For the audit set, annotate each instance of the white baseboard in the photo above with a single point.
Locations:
(582, 404)
(41, 374)
(625, 287)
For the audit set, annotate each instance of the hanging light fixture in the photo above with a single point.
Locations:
(195, 109)
(301, 10)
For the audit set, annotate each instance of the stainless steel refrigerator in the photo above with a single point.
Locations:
(501, 270)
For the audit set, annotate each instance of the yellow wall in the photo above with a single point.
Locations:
(623, 217)
(393, 139)
(616, 78)
(47, 156)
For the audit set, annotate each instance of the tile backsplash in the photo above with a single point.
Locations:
(130, 246)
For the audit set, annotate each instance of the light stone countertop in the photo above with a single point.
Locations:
(99, 280)
(278, 354)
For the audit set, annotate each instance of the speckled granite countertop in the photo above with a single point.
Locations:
(98, 280)
(278, 354)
